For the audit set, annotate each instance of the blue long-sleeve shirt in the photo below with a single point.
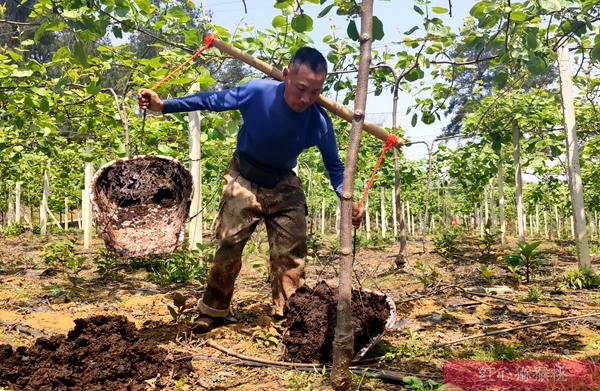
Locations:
(272, 132)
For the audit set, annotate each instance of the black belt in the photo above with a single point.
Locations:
(258, 172)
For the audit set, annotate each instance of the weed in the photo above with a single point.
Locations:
(499, 351)
(15, 229)
(261, 263)
(428, 274)
(268, 336)
(487, 242)
(307, 381)
(107, 263)
(182, 266)
(580, 279)
(534, 295)
(60, 255)
(414, 383)
(525, 258)
(445, 242)
(409, 349)
(487, 273)
(182, 315)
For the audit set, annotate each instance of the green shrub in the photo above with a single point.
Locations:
(580, 279)
(521, 264)
(60, 256)
(445, 242)
(14, 230)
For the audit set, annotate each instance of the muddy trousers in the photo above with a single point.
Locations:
(243, 205)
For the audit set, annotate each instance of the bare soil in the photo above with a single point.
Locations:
(100, 353)
(312, 317)
(438, 301)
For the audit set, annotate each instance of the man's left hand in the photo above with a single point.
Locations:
(358, 213)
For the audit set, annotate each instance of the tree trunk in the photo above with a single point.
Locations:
(394, 214)
(383, 215)
(343, 344)
(18, 202)
(44, 204)
(492, 207)
(323, 216)
(575, 184)
(367, 217)
(501, 202)
(557, 221)
(87, 207)
(66, 222)
(195, 226)
(518, 181)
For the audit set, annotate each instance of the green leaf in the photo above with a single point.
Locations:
(61, 53)
(22, 72)
(419, 10)
(518, 16)
(595, 53)
(412, 30)
(173, 312)
(500, 79)
(428, 117)
(439, 10)
(325, 11)
(414, 74)
(536, 64)
(302, 23)
(94, 87)
(279, 21)
(414, 119)
(80, 56)
(145, 5)
(352, 31)
(117, 32)
(550, 5)
(165, 149)
(377, 29)
(179, 14)
(479, 10)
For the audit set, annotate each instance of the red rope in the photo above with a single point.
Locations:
(390, 142)
(208, 40)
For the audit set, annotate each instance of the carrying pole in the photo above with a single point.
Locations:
(325, 102)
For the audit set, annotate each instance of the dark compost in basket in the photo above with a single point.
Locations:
(141, 204)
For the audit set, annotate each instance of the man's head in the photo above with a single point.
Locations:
(304, 78)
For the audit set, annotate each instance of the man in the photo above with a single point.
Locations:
(281, 119)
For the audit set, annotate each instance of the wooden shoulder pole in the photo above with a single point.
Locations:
(325, 102)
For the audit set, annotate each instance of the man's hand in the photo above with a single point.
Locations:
(357, 215)
(148, 99)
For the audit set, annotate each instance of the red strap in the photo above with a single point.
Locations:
(390, 142)
(208, 40)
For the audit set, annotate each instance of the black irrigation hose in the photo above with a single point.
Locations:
(386, 376)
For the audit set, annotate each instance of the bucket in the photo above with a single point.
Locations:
(141, 204)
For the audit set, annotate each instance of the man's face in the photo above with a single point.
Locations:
(302, 87)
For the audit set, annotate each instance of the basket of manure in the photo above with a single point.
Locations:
(312, 316)
(141, 204)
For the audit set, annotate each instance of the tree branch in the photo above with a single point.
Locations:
(15, 23)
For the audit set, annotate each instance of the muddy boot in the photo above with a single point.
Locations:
(206, 323)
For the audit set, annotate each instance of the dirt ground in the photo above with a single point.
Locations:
(438, 301)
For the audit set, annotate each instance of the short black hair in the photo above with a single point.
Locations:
(311, 57)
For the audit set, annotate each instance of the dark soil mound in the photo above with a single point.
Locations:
(100, 353)
(312, 315)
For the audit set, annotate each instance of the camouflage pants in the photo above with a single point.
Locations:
(243, 205)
